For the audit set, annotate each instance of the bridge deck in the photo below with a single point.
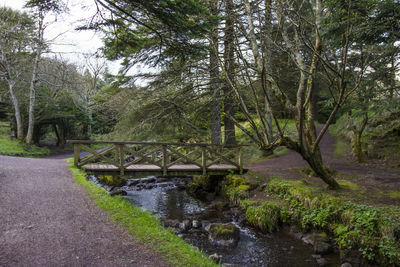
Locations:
(139, 170)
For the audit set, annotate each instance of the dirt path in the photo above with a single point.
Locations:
(371, 176)
(48, 220)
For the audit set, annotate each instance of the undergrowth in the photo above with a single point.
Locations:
(145, 227)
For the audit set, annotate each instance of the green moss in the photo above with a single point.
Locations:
(265, 217)
(111, 180)
(200, 182)
(374, 231)
(145, 227)
(348, 185)
(223, 230)
(392, 194)
(235, 188)
(243, 187)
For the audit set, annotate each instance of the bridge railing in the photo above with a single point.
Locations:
(165, 156)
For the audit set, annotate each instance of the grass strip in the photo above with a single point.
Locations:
(143, 226)
(14, 147)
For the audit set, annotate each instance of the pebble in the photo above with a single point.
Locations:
(322, 262)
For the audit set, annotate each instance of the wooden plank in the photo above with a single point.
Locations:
(146, 167)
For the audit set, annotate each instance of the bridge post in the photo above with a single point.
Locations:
(164, 159)
(77, 154)
(120, 150)
(203, 159)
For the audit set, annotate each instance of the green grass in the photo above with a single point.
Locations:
(348, 185)
(341, 147)
(391, 193)
(143, 226)
(13, 147)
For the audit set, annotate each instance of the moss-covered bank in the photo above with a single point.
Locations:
(372, 232)
(144, 226)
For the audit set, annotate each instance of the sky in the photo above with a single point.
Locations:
(71, 44)
(65, 40)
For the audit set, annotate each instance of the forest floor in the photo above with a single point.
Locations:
(376, 182)
(49, 220)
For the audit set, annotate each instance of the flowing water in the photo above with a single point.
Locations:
(167, 200)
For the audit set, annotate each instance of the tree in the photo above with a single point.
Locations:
(371, 62)
(41, 7)
(16, 34)
(152, 32)
(95, 68)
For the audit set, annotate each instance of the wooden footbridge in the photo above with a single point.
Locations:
(141, 159)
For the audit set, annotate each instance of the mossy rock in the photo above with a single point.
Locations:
(111, 180)
(224, 234)
(235, 188)
(118, 192)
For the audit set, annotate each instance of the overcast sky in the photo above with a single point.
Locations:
(70, 44)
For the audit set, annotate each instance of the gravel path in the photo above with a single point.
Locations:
(46, 219)
(373, 176)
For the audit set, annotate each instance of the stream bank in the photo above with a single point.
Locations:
(364, 235)
(194, 219)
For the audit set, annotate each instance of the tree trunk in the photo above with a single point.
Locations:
(357, 144)
(229, 132)
(32, 87)
(90, 118)
(62, 134)
(32, 96)
(216, 137)
(17, 112)
(315, 162)
(267, 71)
(13, 133)
(57, 134)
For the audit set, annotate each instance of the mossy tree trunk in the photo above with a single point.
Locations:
(313, 157)
(358, 131)
(316, 164)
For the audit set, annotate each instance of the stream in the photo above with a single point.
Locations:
(168, 199)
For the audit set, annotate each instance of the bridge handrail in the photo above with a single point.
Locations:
(203, 153)
(94, 142)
